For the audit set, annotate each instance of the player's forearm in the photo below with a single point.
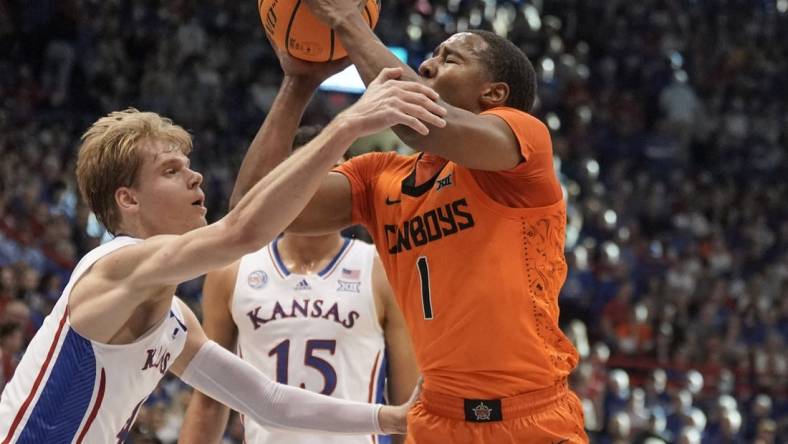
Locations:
(234, 382)
(269, 207)
(205, 421)
(396, 397)
(273, 142)
(366, 51)
(370, 56)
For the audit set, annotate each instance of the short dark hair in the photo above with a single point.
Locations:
(508, 64)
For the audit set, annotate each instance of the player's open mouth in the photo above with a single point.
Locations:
(200, 204)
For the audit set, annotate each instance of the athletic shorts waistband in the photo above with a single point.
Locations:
(491, 410)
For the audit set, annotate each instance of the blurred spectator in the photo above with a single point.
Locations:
(619, 429)
(11, 344)
(636, 409)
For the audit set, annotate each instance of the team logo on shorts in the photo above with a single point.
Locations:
(482, 412)
(257, 279)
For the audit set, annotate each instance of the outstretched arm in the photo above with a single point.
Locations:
(482, 142)
(208, 367)
(119, 283)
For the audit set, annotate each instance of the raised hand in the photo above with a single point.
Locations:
(389, 102)
(314, 72)
(331, 12)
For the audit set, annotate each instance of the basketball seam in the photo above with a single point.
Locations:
(289, 27)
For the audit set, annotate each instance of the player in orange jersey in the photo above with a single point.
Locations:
(471, 234)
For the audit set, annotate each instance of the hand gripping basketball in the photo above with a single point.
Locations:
(311, 71)
(331, 12)
(295, 27)
(389, 102)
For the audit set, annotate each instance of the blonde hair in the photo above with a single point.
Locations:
(111, 154)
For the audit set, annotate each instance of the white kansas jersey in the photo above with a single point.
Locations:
(319, 331)
(69, 389)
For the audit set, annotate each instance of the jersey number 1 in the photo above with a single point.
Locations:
(424, 277)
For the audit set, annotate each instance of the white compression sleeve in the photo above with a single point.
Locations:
(234, 382)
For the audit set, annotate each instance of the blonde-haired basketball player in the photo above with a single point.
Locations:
(314, 312)
(117, 327)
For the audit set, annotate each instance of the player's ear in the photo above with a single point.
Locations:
(126, 200)
(494, 94)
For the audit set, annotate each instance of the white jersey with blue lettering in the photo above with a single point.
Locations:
(317, 331)
(69, 389)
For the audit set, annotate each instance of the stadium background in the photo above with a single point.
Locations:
(669, 118)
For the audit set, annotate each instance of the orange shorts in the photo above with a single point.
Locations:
(548, 416)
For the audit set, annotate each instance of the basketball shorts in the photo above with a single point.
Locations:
(548, 416)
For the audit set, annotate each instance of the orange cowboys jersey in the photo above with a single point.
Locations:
(476, 278)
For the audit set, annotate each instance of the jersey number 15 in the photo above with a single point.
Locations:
(282, 352)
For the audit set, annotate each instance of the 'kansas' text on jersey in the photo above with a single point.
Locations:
(318, 331)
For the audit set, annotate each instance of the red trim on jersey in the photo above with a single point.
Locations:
(96, 406)
(372, 377)
(273, 261)
(21, 413)
(371, 386)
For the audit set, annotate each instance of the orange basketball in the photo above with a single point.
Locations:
(291, 25)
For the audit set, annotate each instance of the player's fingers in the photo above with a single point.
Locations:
(387, 74)
(416, 87)
(412, 122)
(416, 391)
(422, 114)
(423, 101)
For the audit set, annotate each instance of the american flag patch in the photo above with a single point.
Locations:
(351, 274)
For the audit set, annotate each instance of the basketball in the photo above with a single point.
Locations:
(290, 25)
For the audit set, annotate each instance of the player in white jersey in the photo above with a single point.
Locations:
(73, 385)
(118, 327)
(314, 312)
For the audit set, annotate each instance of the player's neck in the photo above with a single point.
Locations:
(131, 229)
(427, 166)
(308, 254)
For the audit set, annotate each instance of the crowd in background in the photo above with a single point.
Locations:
(670, 125)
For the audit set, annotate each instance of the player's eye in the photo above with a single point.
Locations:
(169, 171)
